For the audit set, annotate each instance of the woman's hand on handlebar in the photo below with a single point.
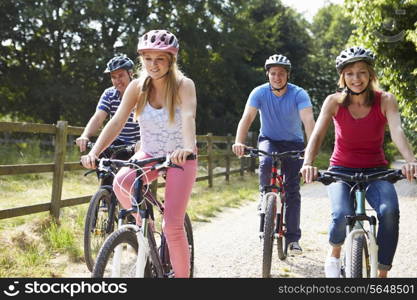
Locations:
(409, 170)
(179, 156)
(239, 149)
(89, 161)
(309, 173)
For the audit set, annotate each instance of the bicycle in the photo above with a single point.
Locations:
(101, 216)
(360, 256)
(139, 251)
(272, 214)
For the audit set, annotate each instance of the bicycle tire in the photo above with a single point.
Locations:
(269, 232)
(96, 225)
(282, 255)
(126, 237)
(360, 263)
(164, 252)
(190, 237)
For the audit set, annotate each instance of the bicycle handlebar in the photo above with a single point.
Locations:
(390, 175)
(161, 162)
(254, 152)
(114, 149)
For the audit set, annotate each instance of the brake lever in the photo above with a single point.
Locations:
(89, 172)
(171, 165)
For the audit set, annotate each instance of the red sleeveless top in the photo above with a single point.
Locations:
(359, 142)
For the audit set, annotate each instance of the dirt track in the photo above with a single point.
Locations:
(230, 247)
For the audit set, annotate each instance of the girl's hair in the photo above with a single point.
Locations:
(173, 80)
(373, 86)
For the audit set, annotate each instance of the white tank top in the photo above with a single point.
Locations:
(158, 136)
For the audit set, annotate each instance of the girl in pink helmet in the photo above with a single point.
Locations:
(164, 101)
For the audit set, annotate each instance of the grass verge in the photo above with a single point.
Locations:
(36, 246)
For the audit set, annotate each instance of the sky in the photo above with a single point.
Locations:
(309, 7)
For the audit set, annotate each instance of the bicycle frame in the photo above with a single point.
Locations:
(142, 235)
(275, 188)
(150, 260)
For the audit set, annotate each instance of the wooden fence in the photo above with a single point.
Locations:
(62, 131)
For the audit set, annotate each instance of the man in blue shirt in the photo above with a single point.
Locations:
(283, 108)
(120, 69)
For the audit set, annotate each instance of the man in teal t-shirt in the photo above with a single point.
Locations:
(283, 108)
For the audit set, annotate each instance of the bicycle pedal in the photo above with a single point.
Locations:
(170, 275)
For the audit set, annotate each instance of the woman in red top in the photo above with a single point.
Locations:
(360, 113)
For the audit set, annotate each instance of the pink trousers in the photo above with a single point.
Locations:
(179, 184)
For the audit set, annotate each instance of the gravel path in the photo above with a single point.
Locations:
(229, 246)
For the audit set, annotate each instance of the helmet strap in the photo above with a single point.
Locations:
(279, 89)
(349, 91)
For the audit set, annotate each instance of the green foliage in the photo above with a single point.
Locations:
(389, 28)
(331, 29)
(53, 54)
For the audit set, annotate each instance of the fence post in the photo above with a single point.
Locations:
(210, 158)
(252, 143)
(59, 159)
(228, 149)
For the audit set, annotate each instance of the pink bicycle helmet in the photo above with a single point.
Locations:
(161, 40)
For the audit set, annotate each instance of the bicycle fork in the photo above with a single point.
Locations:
(370, 239)
(143, 255)
(278, 231)
(280, 224)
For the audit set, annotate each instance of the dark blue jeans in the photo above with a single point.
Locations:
(382, 197)
(290, 169)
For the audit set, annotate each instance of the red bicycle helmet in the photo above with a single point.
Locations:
(161, 40)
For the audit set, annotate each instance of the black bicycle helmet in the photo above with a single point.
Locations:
(278, 60)
(354, 54)
(119, 62)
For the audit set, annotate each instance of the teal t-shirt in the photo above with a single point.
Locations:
(280, 118)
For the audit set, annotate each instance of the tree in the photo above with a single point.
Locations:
(331, 30)
(389, 28)
(53, 54)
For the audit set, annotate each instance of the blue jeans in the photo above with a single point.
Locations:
(290, 169)
(382, 197)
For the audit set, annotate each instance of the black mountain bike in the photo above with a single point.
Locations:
(101, 217)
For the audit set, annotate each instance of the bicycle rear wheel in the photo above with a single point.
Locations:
(360, 267)
(269, 232)
(100, 221)
(164, 252)
(106, 264)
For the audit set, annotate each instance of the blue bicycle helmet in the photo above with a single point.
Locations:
(119, 62)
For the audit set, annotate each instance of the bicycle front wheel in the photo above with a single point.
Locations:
(281, 240)
(269, 232)
(118, 256)
(99, 223)
(360, 267)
